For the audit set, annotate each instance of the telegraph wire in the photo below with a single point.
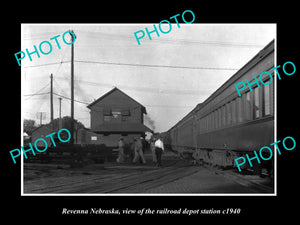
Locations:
(163, 106)
(139, 65)
(43, 88)
(46, 64)
(86, 103)
(139, 89)
(93, 34)
(37, 94)
(161, 66)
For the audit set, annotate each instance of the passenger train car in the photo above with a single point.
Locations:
(226, 126)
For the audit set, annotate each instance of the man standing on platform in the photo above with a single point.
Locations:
(159, 149)
(120, 158)
(138, 151)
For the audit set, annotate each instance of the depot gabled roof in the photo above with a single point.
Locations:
(111, 91)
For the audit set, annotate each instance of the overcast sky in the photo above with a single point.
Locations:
(207, 54)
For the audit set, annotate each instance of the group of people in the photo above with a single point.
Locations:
(138, 149)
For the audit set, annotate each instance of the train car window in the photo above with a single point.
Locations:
(204, 123)
(247, 106)
(228, 113)
(243, 102)
(234, 111)
(223, 116)
(218, 118)
(239, 110)
(206, 117)
(201, 125)
(256, 103)
(225, 106)
(208, 122)
(214, 120)
(199, 121)
(272, 98)
(266, 98)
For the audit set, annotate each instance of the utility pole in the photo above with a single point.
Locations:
(41, 117)
(51, 99)
(59, 107)
(60, 122)
(72, 89)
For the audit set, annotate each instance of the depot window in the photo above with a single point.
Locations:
(106, 118)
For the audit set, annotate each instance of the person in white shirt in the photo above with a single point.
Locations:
(159, 149)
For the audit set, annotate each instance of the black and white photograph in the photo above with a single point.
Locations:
(149, 109)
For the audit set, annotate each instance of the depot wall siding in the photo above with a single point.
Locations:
(116, 101)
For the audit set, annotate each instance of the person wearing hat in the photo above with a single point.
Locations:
(152, 147)
(138, 151)
(120, 158)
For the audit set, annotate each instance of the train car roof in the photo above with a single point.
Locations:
(187, 115)
(251, 63)
(261, 54)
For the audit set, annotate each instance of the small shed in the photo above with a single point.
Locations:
(42, 132)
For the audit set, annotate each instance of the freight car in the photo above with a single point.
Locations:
(226, 126)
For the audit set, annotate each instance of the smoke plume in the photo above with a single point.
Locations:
(149, 122)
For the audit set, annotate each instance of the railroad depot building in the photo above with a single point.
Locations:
(114, 115)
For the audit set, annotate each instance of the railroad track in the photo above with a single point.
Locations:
(144, 181)
(115, 181)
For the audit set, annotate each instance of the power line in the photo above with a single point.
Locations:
(93, 34)
(42, 88)
(141, 89)
(43, 35)
(132, 64)
(86, 103)
(161, 66)
(46, 64)
(37, 94)
(162, 106)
